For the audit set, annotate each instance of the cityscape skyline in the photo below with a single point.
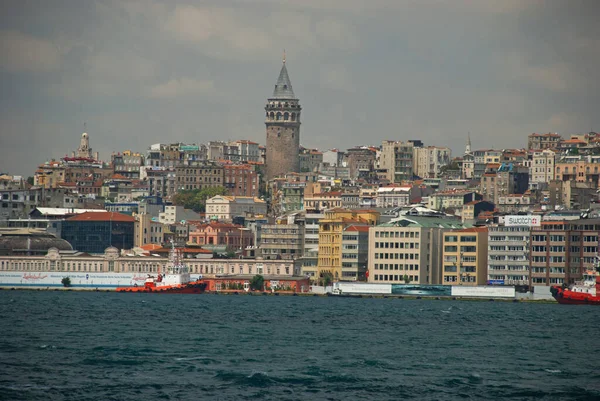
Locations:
(140, 73)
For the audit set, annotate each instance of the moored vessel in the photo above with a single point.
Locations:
(585, 292)
(175, 280)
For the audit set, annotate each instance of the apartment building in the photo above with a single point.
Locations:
(311, 230)
(408, 249)
(508, 254)
(282, 241)
(428, 161)
(562, 250)
(394, 196)
(331, 231)
(199, 175)
(355, 253)
(508, 179)
(322, 200)
(241, 180)
(541, 168)
(396, 158)
(225, 208)
(543, 141)
(452, 199)
(578, 169)
(465, 256)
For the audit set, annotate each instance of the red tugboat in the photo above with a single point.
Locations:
(176, 279)
(585, 292)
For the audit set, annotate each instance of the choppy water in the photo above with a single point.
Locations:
(109, 346)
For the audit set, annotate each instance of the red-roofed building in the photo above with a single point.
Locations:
(93, 232)
(221, 236)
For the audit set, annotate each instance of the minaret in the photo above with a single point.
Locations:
(468, 147)
(283, 128)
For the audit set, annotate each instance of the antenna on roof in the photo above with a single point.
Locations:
(283, 56)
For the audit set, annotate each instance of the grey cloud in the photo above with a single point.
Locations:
(141, 72)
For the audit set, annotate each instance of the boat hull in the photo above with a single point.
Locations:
(567, 297)
(191, 288)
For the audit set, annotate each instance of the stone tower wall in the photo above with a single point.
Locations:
(283, 148)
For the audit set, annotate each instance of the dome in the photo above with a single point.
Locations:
(30, 242)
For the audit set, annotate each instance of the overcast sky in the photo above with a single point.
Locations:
(144, 72)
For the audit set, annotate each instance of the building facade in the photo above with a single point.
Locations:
(199, 175)
(282, 241)
(94, 232)
(396, 158)
(465, 257)
(561, 251)
(408, 250)
(241, 180)
(331, 231)
(508, 255)
(225, 208)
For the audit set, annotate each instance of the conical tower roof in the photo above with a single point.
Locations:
(283, 87)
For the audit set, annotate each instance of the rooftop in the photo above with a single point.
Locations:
(424, 222)
(283, 87)
(103, 216)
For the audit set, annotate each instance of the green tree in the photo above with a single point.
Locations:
(30, 180)
(257, 282)
(327, 279)
(406, 279)
(195, 199)
(66, 282)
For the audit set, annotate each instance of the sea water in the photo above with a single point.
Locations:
(57, 345)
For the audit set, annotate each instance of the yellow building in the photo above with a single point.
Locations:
(331, 228)
(465, 256)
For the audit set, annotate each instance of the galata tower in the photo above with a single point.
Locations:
(283, 128)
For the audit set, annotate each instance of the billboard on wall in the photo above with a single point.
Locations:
(523, 220)
(483, 291)
(421, 290)
(361, 288)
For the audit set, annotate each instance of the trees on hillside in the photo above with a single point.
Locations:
(195, 199)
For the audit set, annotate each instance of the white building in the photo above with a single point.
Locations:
(541, 168)
(311, 231)
(225, 208)
(393, 196)
(175, 214)
(508, 250)
(428, 161)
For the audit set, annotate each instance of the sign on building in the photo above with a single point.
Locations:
(524, 220)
